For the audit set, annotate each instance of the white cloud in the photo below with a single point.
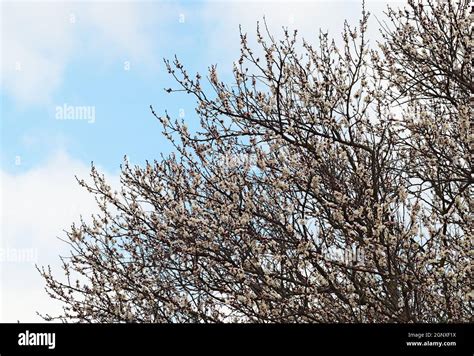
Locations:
(36, 206)
(39, 39)
(122, 28)
(36, 43)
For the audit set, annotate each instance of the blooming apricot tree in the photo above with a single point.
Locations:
(328, 184)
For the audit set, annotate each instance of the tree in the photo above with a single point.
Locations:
(328, 185)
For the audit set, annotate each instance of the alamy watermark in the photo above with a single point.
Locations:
(29, 338)
(352, 255)
(18, 255)
(71, 112)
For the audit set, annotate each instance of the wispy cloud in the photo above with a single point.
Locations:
(39, 40)
(36, 206)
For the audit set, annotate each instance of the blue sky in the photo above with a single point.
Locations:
(120, 84)
(77, 53)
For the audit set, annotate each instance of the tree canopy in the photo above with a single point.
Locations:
(326, 184)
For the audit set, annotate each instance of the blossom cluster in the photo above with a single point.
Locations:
(303, 157)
